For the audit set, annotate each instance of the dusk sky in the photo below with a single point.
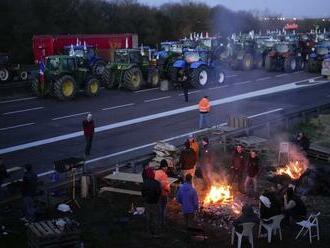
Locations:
(290, 8)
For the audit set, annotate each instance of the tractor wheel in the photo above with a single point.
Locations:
(220, 77)
(133, 79)
(290, 64)
(35, 86)
(247, 62)
(153, 78)
(92, 86)
(108, 80)
(269, 63)
(99, 67)
(259, 63)
(200, 77)
(65, 88)
(173, 75)
(23, 75)
(4, 75)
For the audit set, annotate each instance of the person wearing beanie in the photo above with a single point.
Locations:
(88, 127)
(187, 161)
(162, 177)
(151, 192)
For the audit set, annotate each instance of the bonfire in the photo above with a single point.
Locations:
(294, 170)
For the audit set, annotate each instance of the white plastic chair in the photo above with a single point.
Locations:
(247, 232)
(272, 227)
(312, 221)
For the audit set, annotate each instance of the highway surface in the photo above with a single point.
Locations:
(40, 131)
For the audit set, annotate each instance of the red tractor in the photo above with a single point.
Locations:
(285, 56)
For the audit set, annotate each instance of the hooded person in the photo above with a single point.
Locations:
(88, 127)
(188, 198)
(151, 192)
(247, 216)
(188, 160)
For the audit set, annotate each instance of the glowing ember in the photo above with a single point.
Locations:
(219, 194)
(294, 170)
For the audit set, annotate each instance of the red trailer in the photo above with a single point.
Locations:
(46, 45)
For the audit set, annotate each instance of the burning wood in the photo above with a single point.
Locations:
(294, 170)
(219, 194)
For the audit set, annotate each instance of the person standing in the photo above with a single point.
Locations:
(237, 166)
(3, 176)
(29, 189)
(162, 178)
(204, 110)
(187, 161)
(182, 79)
(151, 191)
(188, 198)
(88, 127)
(252, 172)
(194, 144)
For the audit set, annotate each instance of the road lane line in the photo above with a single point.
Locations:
(244, 96)
(230, 76)
(281, 75)
(68, 116)
(265, 113)
(262, 79)
(23, 110)
(297, 72)
(191, 92)
(146, 90)
(157, 99)
(240, 83)
(120, 106)
(219, 87)
(21, 125)
(18, 100)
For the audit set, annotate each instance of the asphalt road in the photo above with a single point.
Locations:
(40, 131)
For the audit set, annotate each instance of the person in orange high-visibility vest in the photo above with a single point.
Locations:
(204, 110)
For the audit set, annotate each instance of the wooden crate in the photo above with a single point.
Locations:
(46, 234)
(319, 152)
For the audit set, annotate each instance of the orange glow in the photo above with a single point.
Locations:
(294, 170)
(219, 194)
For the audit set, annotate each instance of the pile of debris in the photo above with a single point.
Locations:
(165, 151)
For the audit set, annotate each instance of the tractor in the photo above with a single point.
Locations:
(89, 53)
(64, 76)
(198, 67)
(9, 71)
(320, 52)
(132, 70)
(285, 56)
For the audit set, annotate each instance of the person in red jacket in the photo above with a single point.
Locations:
(88, 127)
(252, 172)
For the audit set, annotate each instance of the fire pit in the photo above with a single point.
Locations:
(294, 169)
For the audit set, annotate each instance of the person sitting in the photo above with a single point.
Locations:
(294, 207)
(247, 216)
(268, 205)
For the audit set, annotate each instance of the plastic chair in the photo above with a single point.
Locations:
(247, 232)
(312, 221)
(271, 227)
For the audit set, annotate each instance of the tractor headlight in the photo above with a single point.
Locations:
(313, 49)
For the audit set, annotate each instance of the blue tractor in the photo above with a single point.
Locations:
(198, 67)
(319, 53)
(88, 57)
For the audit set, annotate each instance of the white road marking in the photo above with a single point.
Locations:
(18, 100)
(265, 113)
(230, 76)
(281, 75)
(264, 78)
(21, 125)
(245, 82)
(191, 92)
(297, 72)
(120, 106)
(244, 96)
(219, 87)
(146, 90)
(68, 116)
(157, 99)
(23, 110)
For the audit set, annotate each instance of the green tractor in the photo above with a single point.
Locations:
(131, 70)
(64, 77)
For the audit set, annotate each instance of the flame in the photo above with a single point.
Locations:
(219, 194)
(294, 170)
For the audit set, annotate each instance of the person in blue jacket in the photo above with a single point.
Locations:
(188, 198)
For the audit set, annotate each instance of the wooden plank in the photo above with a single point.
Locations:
(46, 227)
(53, 227)
(40, 228)
(34, 230)
(131, 177)
(122, 191)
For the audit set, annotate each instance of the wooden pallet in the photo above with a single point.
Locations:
(319, 152)
(251, 141)
(46, 234)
